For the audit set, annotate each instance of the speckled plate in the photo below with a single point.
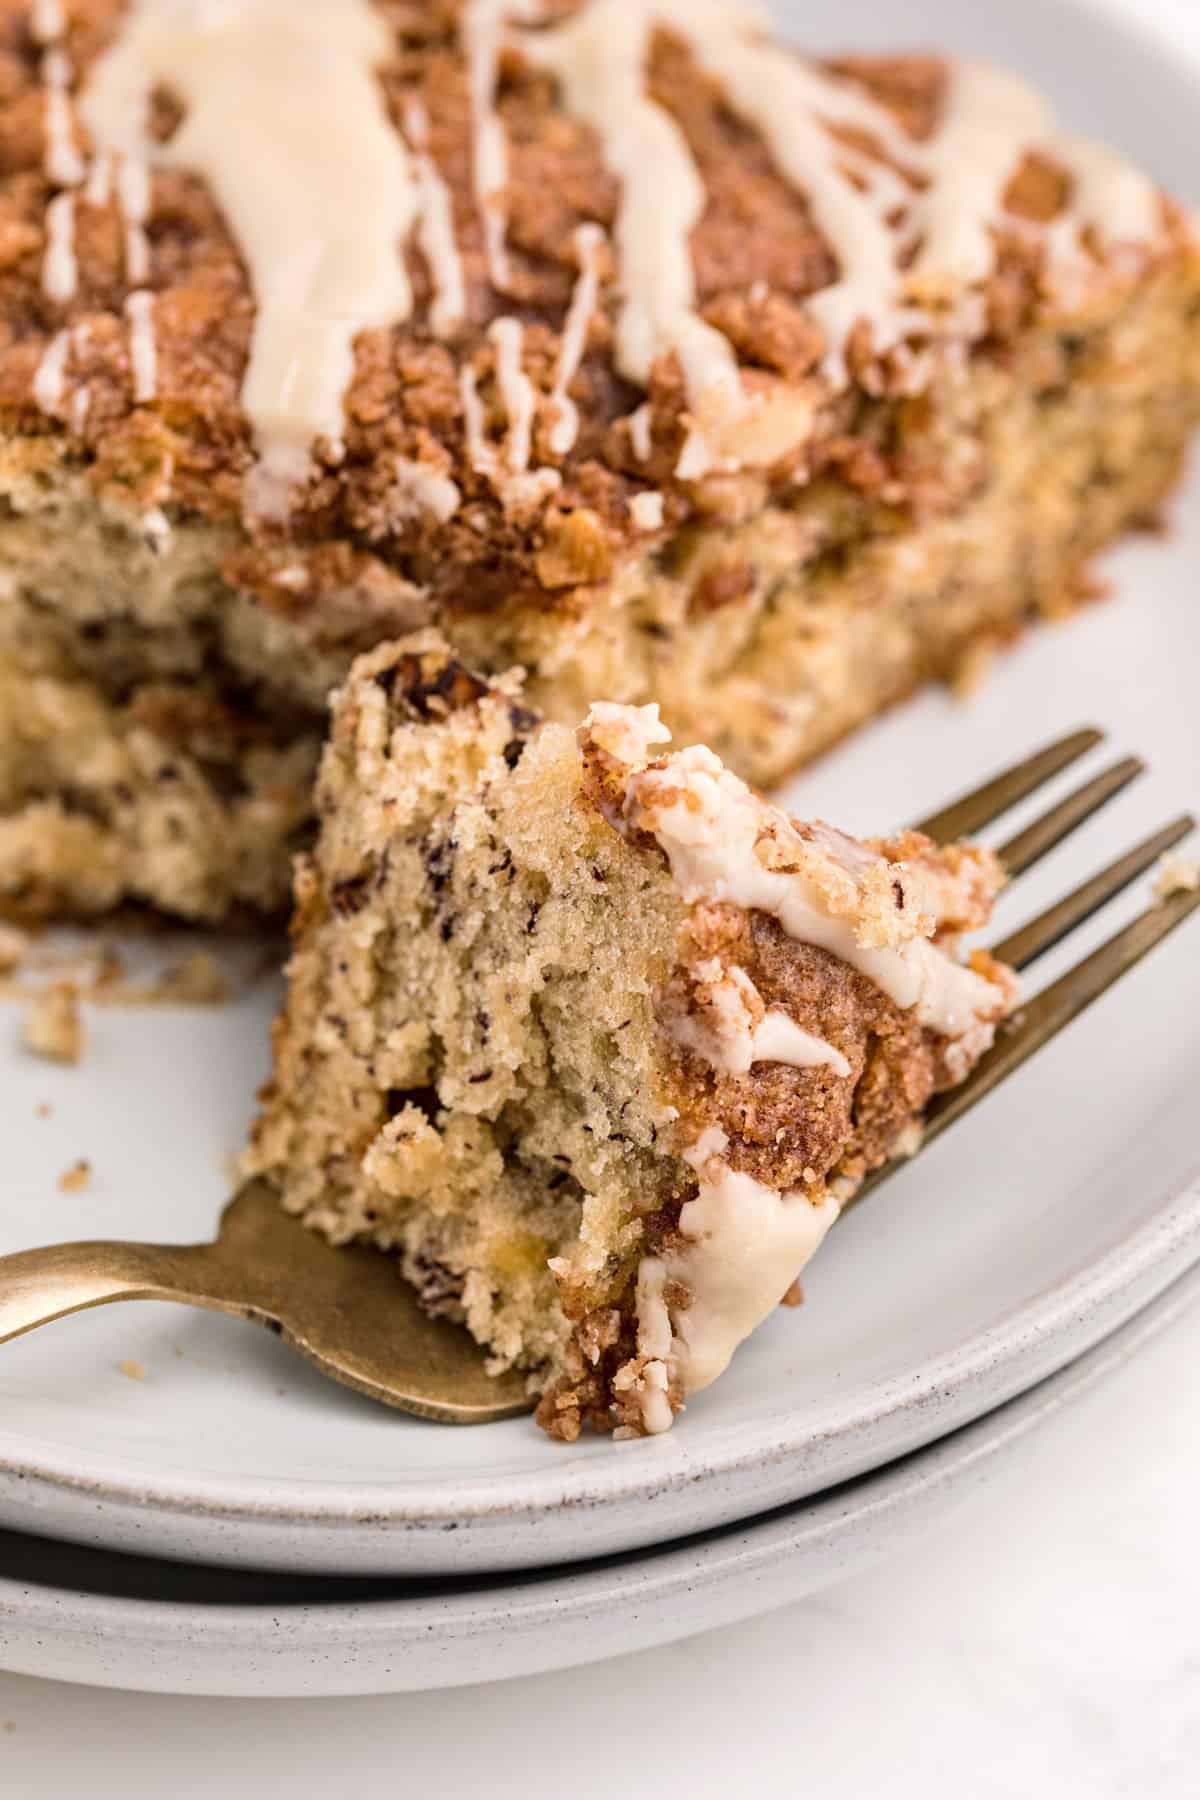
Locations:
(117, 1621)
(1040, 1225)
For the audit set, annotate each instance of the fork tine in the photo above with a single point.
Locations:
(1050, 927)
(970, 812)
(1037, 840)
(1046, 1015)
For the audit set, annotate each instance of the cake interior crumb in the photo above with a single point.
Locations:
(132, 1370)
(77, 1177)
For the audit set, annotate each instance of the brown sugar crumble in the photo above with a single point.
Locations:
(53, 1027)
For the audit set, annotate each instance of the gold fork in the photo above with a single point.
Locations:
(348, 1311)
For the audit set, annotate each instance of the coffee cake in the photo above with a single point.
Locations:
(605, 335)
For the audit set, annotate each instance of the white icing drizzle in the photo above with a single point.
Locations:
(47, 22)
(1108, 194)
(517, 393)
(732, 1030)
(99, 182)
(986, 117)
(647, 511)
(133, 192)
(435, 230)
(417, 489)
(779, 1039)
(589, 241)
(49, 380)
(709, 825)
(790, 103)
(746, 1244)
(143, 352)
(321, 219)
(989, 117)
(64, 165)
(598, 57)
(481, 453)
(157, 528)
(60, 272)
(507, 467)
(480, 31)
(640, 425)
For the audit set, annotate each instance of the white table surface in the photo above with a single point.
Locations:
(1045, 1643)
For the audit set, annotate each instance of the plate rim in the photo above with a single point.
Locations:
(1135, 1269)
(533, 1623)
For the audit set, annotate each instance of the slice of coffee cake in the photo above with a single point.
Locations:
(594, 1038)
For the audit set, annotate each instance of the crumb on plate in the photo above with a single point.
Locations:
(1176, 875)
(53, 1028)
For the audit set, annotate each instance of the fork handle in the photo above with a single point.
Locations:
(38, 1286)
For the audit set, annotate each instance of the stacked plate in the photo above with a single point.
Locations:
(307, 1542)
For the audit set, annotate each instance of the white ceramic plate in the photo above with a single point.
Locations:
(1039, 1226)
(110, 1621)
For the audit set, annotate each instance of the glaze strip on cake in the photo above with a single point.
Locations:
(319, 215)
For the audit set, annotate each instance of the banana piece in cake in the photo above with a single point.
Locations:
(605, 335)
(593, 1038)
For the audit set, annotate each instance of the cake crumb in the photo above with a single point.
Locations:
(794, 1296)
(909, 1140)
(43, 1110)
(14, 946)
(133, 1371)
(53, 1028)
(1176, 875)
(973, 667)
(198, 980)
(77, 1177)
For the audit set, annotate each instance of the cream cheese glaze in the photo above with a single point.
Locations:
(709, 824)
(319, 216)
(747, 1241)
(729, 1026)
(746, 1244)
